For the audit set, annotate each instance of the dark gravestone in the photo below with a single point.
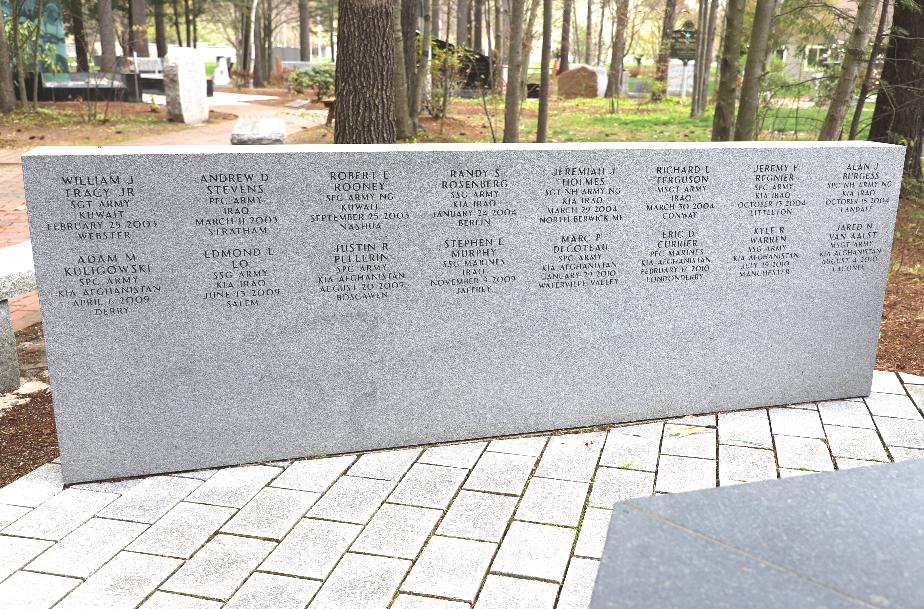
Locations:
(838, 540)
(581, 81)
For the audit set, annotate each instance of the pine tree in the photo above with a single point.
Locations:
(899, 114)
(365, 106)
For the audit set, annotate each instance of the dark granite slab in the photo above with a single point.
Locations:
(844, 539)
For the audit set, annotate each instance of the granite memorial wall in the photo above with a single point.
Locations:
(213, 305)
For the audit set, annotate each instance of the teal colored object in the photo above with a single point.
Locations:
(52, 29)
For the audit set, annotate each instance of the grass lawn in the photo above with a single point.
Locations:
(72, 124)
(590, 120)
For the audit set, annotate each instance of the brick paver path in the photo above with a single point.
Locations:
(510, 523)
(14, 226)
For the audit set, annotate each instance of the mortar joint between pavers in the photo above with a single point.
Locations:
(510, 521)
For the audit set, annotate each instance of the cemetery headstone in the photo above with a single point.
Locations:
(221, 77)
(297, 65)
(226, 304)
(680, 78)
(642, 88)
(185, 86)
(581, 81)
(148, 65)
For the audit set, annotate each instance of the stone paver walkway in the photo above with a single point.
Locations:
(14, 224)
(510, 523)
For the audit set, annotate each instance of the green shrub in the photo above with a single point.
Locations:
(319, 79)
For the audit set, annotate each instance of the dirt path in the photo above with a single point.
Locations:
(14, 226)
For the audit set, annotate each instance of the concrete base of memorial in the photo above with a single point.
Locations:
(499, 523)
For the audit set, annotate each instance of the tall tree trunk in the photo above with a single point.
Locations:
(17, 50)
(304, 31)
(36, 62)
(402, 117)
(444, 69)
(498, 60)
(754, 68)
(868, 76)
(139, 31)
(477, 31)
(508, 8)
(409, 39)
(7, 95)
(251, 44)
(718, 56)
(259, 69)
(179, 32)
(462, 23)
(710, 52)
(125, 38)
(618, 52)
(563, 60)
(545, 77)
(723, 121)
(423, 63)
(330, 30)
(268, 65)
(600, 32)
(899, 114)
(243, 50)
(512, 99)
(365, 74)
(187, 18)
(80, 36)
(106, 37)
(160, 28)
(702, 18)
(589, 36)
(856, 49)
(489, 49)
(435, 19)
(528, 45)
(664, 51)
(705, 35)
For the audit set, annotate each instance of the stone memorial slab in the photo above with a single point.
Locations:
(259, 131)
(680, 78)
(185, 86)
(221, 76)
(214, 305)
(834, 540)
